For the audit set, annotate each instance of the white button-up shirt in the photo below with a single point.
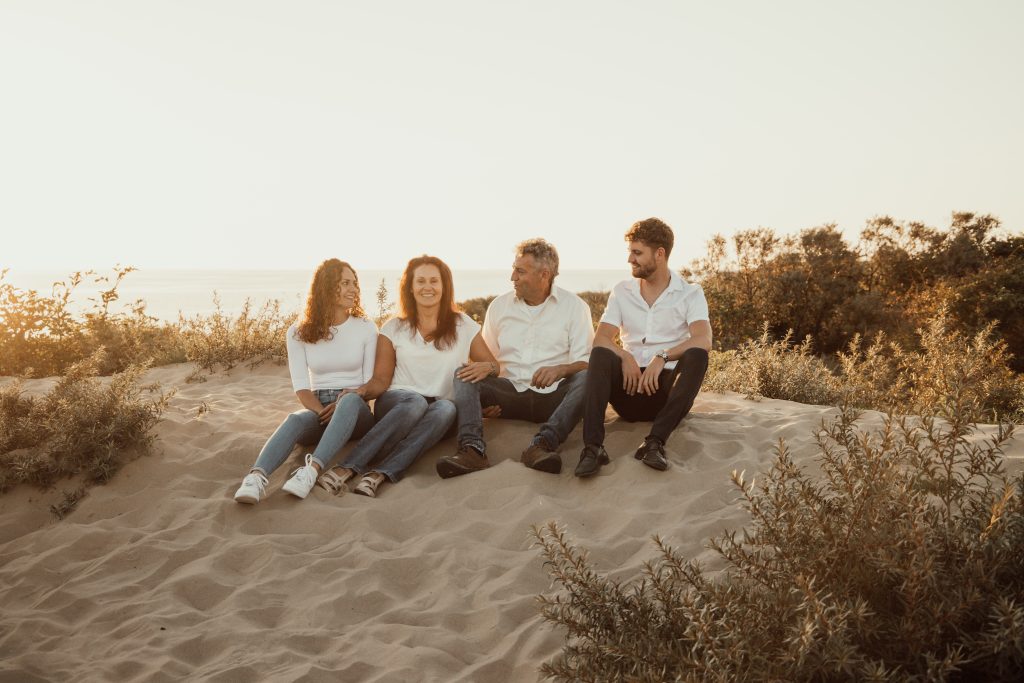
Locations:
(646, 330)
(527, 338)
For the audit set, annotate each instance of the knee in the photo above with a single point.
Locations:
(411, 403)
(463, 388)
(349, 402)
(695, 357)
(443, 409)
(600, 357)
(301, 418)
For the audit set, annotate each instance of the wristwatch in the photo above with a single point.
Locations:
(663, 354)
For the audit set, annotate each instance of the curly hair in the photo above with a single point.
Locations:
(316, 320)
(543, 252)
(448, 314)
(653, 232)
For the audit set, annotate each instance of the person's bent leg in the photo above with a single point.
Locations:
(301, 426)
(688, 376)
(603, 373)
(469, 397)
(398, 411)
(470, 416)
(351, 417)
(566, 415)
(424, 434)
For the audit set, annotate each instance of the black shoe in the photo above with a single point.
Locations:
(591, 460)
(652, 453)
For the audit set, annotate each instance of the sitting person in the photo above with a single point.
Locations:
(331, 354)
(541, 335)
(666, 336)
(417, 354)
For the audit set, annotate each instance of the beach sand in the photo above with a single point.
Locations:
(160, 575)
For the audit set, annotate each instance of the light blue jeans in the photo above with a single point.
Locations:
(351, 418)
(407, 425)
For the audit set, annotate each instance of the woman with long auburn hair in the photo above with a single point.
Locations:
(331, 353)
(417, 356)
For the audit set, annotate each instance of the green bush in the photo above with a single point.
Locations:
(903, 561)
(882, 375)
(83, 425)
(772, 368)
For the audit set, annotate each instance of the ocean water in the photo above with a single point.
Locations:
(190, 292)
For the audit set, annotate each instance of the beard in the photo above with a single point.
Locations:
(643, 272)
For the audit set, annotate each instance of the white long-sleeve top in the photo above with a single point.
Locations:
(344, 361)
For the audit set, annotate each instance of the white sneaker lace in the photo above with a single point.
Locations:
(256, 479)
(306, 475)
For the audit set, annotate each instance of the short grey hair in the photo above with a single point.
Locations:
(542, 251)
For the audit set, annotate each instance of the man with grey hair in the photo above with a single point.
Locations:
(541, 335)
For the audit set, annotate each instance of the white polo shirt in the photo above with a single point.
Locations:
(422, 367)
(646, 330)
(526, 338)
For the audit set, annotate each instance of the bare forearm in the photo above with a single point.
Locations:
(570, 369)
(308, 400)
(696, 342)
(374, 388)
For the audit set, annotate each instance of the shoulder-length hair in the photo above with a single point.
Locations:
(448, 315)
(316, 320)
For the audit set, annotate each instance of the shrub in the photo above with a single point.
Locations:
(81, 426)
(222, 341)
(949, 363)
(772, 368)
(596, 301)
(40, 336)
(476, 308)
(904, 562)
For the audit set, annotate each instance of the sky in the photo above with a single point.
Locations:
(253, 134)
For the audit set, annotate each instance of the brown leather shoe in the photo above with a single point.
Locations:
(539, 458)
(464, 461)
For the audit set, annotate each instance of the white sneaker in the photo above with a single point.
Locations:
(302, 479)
(252, 488)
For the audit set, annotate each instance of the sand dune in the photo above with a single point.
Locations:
(159, 575)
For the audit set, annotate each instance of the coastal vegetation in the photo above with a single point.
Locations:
(903, 560)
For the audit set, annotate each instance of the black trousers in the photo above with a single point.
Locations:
(677, 388)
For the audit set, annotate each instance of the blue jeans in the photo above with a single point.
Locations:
(560, 411)
(351, 417)
(407, 425)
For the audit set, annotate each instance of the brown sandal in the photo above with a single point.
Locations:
(369, 484)
(333, 480)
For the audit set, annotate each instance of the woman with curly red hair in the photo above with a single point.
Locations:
(331, 354)
(417, 355)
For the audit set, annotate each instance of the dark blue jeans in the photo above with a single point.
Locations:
(407, 425)
(559, 411)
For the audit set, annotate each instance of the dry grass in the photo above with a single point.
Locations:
(221, 341)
